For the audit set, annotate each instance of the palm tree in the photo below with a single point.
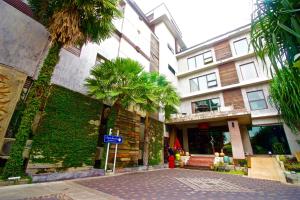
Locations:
(115, 83)
(275, 31)
(70, 22)
(275, 34)
(160, 96)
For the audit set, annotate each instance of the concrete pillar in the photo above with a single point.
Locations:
(292, 139)
(236, 140)
(246, 140)
(185, 140)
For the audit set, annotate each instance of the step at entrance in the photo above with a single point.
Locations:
(201, 162)
(266, 168)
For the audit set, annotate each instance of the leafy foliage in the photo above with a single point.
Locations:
(68, 131)
(74, 21)
(158, 95)
(115, 82)
(276, 31)
(276, 34)
(156, 131)
(36, 98)
(285, 90)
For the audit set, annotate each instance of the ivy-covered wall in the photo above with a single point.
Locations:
(68, 130)
(156, 142)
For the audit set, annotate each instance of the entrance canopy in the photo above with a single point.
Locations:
(241, 115)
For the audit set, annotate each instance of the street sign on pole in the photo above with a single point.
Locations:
(113, 139)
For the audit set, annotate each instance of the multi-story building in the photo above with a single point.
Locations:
(223, 86)
(225, 104)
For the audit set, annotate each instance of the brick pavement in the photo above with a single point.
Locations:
(191, 184)
(168, 184)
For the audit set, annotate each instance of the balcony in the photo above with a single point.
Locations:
(223, 114)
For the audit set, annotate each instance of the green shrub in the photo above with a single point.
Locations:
(156, 142)
(68, 131)
(242, 162)
(292, 166)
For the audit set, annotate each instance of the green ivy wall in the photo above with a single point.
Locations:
(68, 130)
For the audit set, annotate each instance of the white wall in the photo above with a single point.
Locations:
(71, 71)
(259, 113)
(166, 57)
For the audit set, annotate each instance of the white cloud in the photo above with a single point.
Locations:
(200, 20)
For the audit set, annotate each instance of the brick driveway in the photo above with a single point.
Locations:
(190, 184)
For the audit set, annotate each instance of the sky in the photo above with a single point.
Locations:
(200, 20)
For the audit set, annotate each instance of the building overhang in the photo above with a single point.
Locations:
(241, 115)
(171, 26)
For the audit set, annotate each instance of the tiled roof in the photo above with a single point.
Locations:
(21, 6)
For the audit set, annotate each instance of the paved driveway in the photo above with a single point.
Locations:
(191, 184)
(162, 184)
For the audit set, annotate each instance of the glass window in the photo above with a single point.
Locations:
(215, 103)
(270, 138)
(207, 57)
(206, 105)
(192, 63)
(257, 100)
(99, 59)
(171, 69)
(248, 71)
(200, 60)
(241, 47)
(204, 82)
(194, 85)
(211, 80)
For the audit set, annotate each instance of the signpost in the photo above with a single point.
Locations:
(114, 140)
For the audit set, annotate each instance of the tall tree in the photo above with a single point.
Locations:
(115, 82)
(70, 22)
(159, 96)
(275, 35)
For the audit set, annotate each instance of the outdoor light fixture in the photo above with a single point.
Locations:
(232, 124)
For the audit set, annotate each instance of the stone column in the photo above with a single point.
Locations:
(185, 140)
(246, 140)
(236, 140)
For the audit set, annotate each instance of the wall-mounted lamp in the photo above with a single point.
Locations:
(232, 124)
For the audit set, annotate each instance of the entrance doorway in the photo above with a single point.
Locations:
(209, 141)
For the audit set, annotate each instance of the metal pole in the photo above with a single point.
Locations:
(116, 149)
(107, 151)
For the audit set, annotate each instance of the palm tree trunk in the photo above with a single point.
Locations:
(146, 141)
(34, 103)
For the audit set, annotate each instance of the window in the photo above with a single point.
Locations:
(248, 71)
(206, 105)
(171, 69)
(241, 47)
(200, 60)
(257, 100)
(170, 48)
(203, 82)
(194, 86)
(99, 59)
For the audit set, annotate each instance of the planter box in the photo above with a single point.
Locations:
(37, 178)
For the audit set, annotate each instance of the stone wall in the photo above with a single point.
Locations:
(128, 123)
(23, 40)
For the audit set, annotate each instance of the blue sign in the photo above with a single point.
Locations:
(113, 139)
